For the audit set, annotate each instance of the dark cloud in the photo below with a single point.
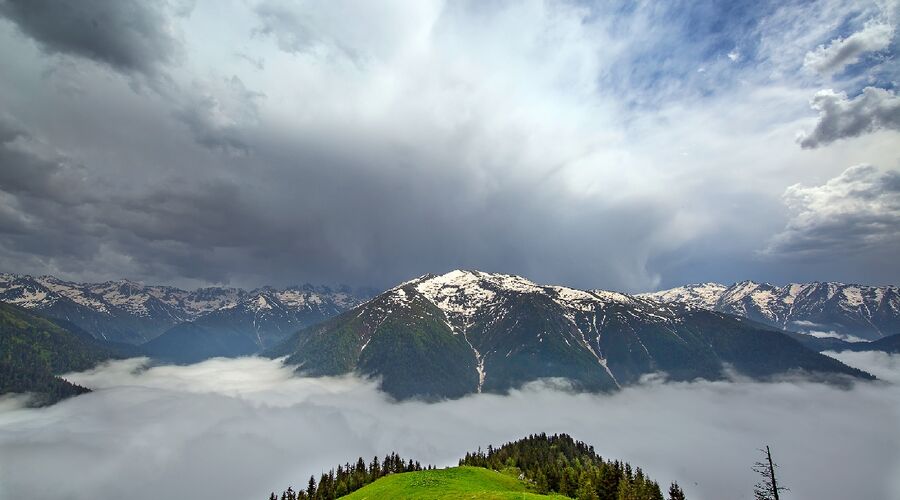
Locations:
(841, 117)
(51, 212)
(131, 36)
(24, 171)
(9, 130)
(856, 212)
(219, 115)
(340, 203)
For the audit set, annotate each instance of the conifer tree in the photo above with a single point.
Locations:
(675, 492)
(311, 487)
(586, 489)
(564, 485)
(767, 488)
(540, 483)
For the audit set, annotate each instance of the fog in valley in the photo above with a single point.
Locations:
(241, 428)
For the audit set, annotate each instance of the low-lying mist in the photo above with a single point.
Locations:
(238, 429)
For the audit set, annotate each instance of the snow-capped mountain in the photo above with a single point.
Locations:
(867, 312)
(262, 319)
(470, 331)
(131, 312)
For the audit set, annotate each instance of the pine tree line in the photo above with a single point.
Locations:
(559, 464)
(551, 464)
(347, 478)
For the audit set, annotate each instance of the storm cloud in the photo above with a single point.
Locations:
(130, 36)
(242, 428)
(580, 144)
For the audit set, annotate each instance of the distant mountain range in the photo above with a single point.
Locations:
(470, 331)
(125, 311)
(865, 312)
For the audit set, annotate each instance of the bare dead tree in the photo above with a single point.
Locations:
(768, 488)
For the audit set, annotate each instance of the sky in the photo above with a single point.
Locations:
(619, 145)
(242, 428)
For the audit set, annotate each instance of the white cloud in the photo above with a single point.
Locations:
(881, 364)
(835, 335)
(795, 28)
(857, 211)
(842, 52)
(241, 428)
(841, 117)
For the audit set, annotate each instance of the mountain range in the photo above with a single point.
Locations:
(835, 309)
(445, 336)
(470, 331)
(130, 312)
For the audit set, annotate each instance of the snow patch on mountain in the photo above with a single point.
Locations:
(459, 293)
(132, 311)
(853, 296)
(703, 295)
(849, 309)
(260, 303)
(73, 291)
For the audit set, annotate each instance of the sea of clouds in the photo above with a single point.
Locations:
(241, 428)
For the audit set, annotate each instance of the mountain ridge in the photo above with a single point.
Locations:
(127, 311)
(848, 310)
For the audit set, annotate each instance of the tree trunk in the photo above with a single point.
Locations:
(772, 473)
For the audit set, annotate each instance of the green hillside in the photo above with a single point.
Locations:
(33, 350)
(538, 466)
(456, 482)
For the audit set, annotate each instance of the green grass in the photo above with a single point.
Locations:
(457, 482)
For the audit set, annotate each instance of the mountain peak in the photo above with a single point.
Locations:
(467, 291)
(464, 277)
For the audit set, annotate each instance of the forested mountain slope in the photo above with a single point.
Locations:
(34, 350)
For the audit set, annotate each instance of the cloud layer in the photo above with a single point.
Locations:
(276, 142)
(241, 428)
